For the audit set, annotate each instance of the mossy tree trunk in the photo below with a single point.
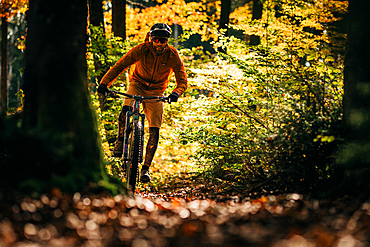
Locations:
(61, 136)
(355, 156)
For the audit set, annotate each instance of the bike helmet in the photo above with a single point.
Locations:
(160, 30)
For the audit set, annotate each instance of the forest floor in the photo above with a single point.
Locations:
(191, 213)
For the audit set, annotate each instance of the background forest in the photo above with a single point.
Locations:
(268, 147)
(264, 107)
(264, 113)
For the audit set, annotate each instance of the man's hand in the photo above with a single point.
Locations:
(103, 89)
(173, 97)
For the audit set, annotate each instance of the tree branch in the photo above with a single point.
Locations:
(135, 3)
(244, 112)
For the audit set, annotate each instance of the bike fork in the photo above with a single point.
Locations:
(127, 133)
(142, 138)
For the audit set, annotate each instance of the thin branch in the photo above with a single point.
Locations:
(244, 112)
(135, 3)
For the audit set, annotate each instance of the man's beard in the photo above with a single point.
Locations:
(158, 50)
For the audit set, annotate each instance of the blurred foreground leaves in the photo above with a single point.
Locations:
(182, 219)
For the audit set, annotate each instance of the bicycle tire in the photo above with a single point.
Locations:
(134, 153)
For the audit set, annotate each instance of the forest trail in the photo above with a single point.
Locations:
(188, 215)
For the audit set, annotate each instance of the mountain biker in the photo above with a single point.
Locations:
(152, 63)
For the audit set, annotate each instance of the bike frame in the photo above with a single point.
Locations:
(132, 154)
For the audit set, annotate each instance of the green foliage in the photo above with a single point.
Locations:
(261, 117)
(270, 127)
(274, 119)
(105, 51)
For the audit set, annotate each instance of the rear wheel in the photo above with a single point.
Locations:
(134, 153)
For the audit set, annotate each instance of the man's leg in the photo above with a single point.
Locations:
(118, 147)
(151, 148)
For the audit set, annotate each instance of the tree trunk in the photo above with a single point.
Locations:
(225, 14)
(119, 18)
(257, 14)
(61, 144)
(176, 34)
(224, 18)
(356, 155)
(97, 20)
(12, 44)
(99, 42)
(4, 63)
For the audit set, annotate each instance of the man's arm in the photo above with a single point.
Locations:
(120, 66)
(181, 78)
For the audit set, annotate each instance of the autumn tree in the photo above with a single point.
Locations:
(59, 144)
(197, 17)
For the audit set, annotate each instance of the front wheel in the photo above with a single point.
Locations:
(134, 153)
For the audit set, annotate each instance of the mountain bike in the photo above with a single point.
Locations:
(133, 144)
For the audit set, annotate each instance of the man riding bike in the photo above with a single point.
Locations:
(152, 63)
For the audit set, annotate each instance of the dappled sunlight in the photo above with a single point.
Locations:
(256, 116)
(246, 157)
(172, 158)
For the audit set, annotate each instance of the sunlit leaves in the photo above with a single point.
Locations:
(271, 102)
(290, 21)
(11, 7)
(197, 17)
(256, 112)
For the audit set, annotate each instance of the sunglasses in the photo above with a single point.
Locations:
(160, 40)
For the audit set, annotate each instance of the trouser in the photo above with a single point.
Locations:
(151, 146)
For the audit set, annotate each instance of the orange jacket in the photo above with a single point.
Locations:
(149, 70)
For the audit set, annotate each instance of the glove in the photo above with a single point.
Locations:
(103, 89)
(173, 97)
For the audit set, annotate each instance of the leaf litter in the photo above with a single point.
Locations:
(185, 216)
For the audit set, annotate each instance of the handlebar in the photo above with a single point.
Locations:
(138, 97)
